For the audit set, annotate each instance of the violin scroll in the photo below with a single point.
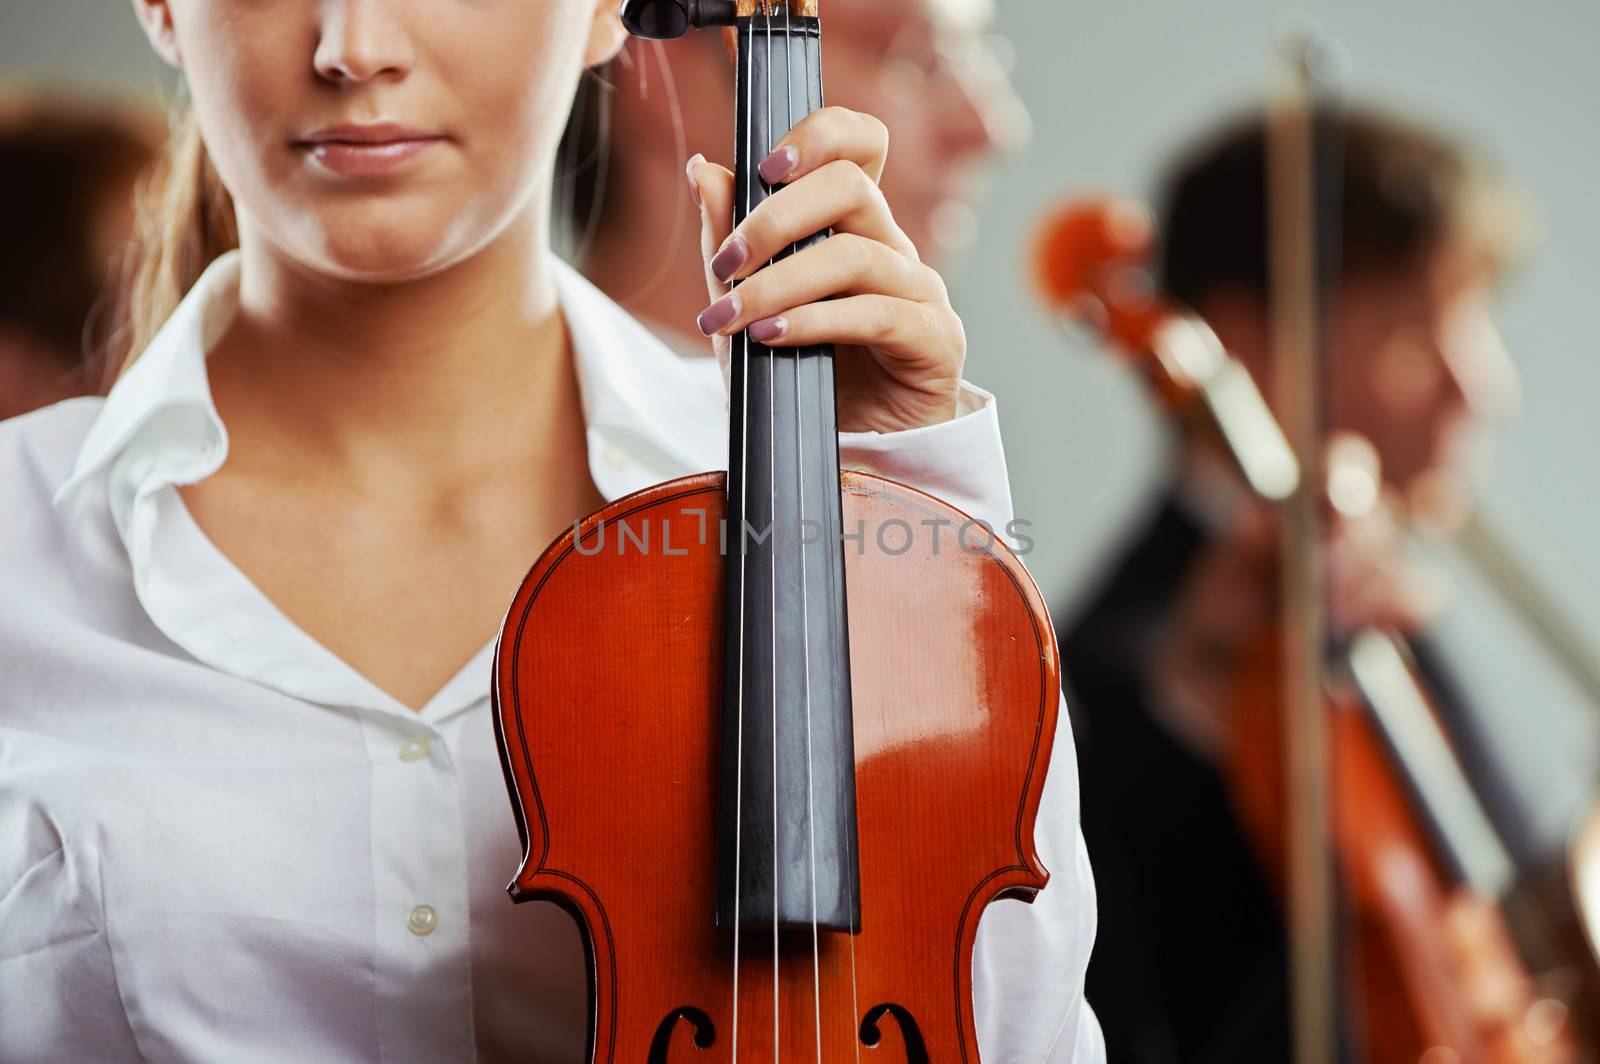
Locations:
(1091, 265)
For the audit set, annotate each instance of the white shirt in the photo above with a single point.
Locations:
(218, 842)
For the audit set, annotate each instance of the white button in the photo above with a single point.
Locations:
(422, 920)
(613, 456)
(415, 749)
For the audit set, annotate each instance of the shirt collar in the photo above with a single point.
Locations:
(167, 386)
(646, 405)
(633, 388)
(650, 416)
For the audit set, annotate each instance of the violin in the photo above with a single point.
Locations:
(771, 750)
(1434, 963)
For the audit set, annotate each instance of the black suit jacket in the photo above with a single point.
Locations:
(1189, 961)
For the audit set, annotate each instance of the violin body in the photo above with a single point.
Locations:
(608, 687)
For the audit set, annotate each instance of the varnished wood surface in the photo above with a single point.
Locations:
(796, 8)
(607, 688)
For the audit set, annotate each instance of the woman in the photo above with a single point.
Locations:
(244, 734)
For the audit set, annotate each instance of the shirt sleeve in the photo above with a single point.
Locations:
(960, 461)
(1029, 961)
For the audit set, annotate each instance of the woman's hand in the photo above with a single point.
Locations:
(900, 345)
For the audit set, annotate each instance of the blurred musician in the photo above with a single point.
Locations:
(927, 68)
(1190, 962)
(67, 171)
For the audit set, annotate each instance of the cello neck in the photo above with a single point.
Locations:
(786, 822)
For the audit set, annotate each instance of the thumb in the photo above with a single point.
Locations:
(712, 187)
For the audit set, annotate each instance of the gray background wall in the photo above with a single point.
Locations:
(1112, 86)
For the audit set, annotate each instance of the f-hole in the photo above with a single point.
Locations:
(705, 1033)
(910, 1033)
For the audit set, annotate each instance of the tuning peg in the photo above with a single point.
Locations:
(663, 20)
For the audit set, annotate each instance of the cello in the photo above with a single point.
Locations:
(770, 746)
(1437, 963)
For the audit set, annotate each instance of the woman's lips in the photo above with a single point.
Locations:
(352, 158)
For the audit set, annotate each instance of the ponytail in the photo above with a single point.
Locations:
(184, 221)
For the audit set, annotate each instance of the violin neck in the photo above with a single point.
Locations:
(786, 818)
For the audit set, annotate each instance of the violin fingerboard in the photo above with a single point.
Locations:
(786, 817)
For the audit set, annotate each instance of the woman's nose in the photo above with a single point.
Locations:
(361, 40)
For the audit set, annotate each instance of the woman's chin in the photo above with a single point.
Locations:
(389, 259)
(387, 248)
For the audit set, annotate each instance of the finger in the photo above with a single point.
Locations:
(712, 189)
(839, 197)
(828, 135)
(844, 264)
(912, 335)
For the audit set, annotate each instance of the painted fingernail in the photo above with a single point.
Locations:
(726, 262)
(768, 329)
(779, 165)
(694, 186)
(716, 317)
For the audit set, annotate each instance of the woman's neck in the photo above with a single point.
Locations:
(417, 382)
(397, 452)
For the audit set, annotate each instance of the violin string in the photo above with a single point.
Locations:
(805, 608)
(772, 545)
(849, 841)
(744, 523)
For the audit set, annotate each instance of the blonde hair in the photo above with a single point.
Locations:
(184, 221)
